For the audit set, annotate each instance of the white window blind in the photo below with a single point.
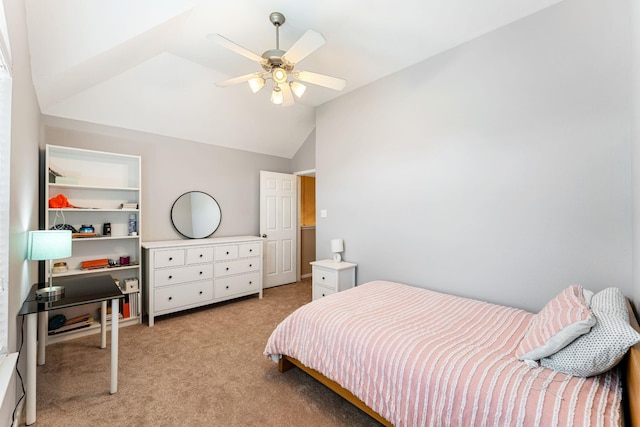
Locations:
(5, 162)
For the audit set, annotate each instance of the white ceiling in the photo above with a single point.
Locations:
(147, 65)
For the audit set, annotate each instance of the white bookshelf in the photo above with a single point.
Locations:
(101, 183)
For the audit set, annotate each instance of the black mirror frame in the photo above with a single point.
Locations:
(181, 232)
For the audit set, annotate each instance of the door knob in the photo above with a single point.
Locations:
(264, 236)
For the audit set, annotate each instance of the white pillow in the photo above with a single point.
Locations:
(605, 345)
(562, 320)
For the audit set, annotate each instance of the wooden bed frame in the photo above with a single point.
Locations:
(631, 382)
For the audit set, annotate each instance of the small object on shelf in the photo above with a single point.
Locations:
(57, 321)
(60, 201)
(133, 227)
(128, 206)
(66, 180)
(131, 284)
(81, 235)
(96, 263)
(124, 260)
(85, 229)
(106, 229)
(60, 267)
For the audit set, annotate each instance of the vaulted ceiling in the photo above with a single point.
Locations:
(147, 65)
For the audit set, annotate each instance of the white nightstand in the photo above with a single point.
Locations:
(330, 277)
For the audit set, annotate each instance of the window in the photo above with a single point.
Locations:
(5, 152)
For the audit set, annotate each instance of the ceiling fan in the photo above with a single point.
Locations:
(279, 65)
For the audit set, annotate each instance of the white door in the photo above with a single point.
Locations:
(278, 207)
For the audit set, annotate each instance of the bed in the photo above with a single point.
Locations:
(409, 356)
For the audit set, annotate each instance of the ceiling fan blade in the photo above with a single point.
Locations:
(320, 79)
(309, 42)
(287, 95)
(223, 41)
(237, 80)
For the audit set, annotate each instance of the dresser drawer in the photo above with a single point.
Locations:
(174, 276)
(171, 297)
(327, 278)
(236, 267)
(318, 291)
(237, 285)
(168, 258)
(226, 252)
(249, 249)
(199, 255)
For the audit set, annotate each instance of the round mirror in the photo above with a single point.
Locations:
(196, 215)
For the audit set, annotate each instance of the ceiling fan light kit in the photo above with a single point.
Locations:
(256, 84)
(276, 96)
(278, 66)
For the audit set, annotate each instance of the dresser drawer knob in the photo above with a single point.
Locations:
(250, 250)
(201, 255)
(200, 292)
(170, 258)
(227, 252)
(250, 282)
(170, 298)
(227, 287)
(201, 272)
(227, 268)
(170, 277)
(250, 265)
(322, 277)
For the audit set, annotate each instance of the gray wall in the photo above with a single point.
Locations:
(171, 167)
(635, 114)
(25, 132)
(499, 170)
(305, 157)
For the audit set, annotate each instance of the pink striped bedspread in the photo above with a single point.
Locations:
(420, 358)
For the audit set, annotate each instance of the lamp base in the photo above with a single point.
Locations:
(337, 258)
(50, 292)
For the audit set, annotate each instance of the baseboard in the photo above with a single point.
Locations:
(305, 276)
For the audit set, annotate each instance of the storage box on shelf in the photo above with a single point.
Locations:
(91, 189)
(183, 274)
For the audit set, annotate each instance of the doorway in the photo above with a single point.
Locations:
(306, 251)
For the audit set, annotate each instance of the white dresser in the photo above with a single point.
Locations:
(183, 274)
(330, 277)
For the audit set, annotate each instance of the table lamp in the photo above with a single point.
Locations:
(337, 247)
(49, 245)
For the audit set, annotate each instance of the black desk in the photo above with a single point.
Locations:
(78, 291)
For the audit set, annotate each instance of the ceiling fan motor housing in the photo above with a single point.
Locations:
(273, 58)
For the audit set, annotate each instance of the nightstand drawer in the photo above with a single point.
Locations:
(173, 276)
(318, 292)
(199, 255)
(328, 278)
(169, 258)
(170, 297)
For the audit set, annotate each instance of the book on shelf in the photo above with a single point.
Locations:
(128, 206)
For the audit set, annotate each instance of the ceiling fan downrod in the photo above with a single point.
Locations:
(277, 19)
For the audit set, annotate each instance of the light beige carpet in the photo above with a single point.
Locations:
(202, 367)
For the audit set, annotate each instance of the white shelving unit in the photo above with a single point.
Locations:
(96, 184)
